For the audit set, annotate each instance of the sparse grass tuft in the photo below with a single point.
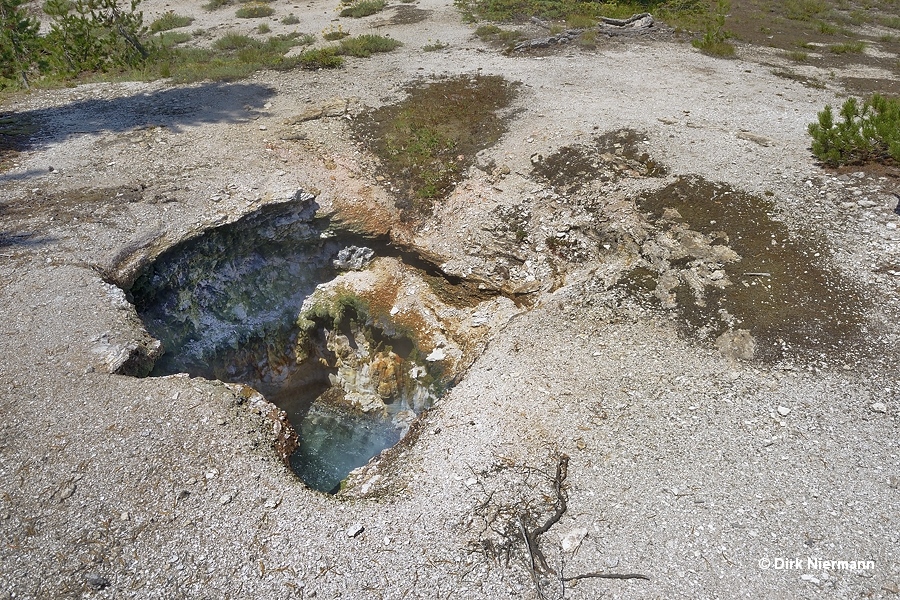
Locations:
(721, 49)
(493, 33)
(254, 10)
(486, 31)
(804, 10)
(291, 19)
(576, 21)
(331, 34)
(168, 39)
(892, 22)
(212, 5)
(827, 28)
(434, 46)
(364, 46)
(588, 39)
(233, 56)
(363, 8)
(848, 48)
(170, 21)
(798, 56)
(263, 28)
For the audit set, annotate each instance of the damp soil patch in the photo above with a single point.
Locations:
(229, 305)
(426, 142)
(610, 157)
(722, 262)
(404, 15)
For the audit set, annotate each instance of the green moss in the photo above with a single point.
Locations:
(426, 141)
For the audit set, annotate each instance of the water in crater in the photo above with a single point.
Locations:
(225, 305)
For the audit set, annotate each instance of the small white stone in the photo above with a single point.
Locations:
(471, 481)
(354, 530)
(262, 127)
(572, 540)
(809, 578)
(224, 499)
(436, 355)
(784, 411)
(879, 407)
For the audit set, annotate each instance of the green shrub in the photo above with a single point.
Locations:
(321, 58)
(263, 28)
(19, 43)
(254, 10)
(715, 40)
(291, 19)
(170, 21)
(216, 4)
(93, 36)
(363, 8)
(364, 46)
(867, 133)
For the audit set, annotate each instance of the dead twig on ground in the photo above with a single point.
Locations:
(606, 576)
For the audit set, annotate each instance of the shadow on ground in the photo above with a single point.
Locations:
(173, 108)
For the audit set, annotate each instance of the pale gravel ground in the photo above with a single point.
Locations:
(680, 468)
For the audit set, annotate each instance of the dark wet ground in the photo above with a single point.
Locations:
(428, 140)
(610, 157)
(785, 289)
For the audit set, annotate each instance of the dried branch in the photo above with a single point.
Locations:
(606, 576)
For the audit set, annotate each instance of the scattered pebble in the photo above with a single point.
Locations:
(67, 491)
(879, 407)
(784, 411)
(97, 582)
(225, 499)
(572, 540)
(354, 530)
